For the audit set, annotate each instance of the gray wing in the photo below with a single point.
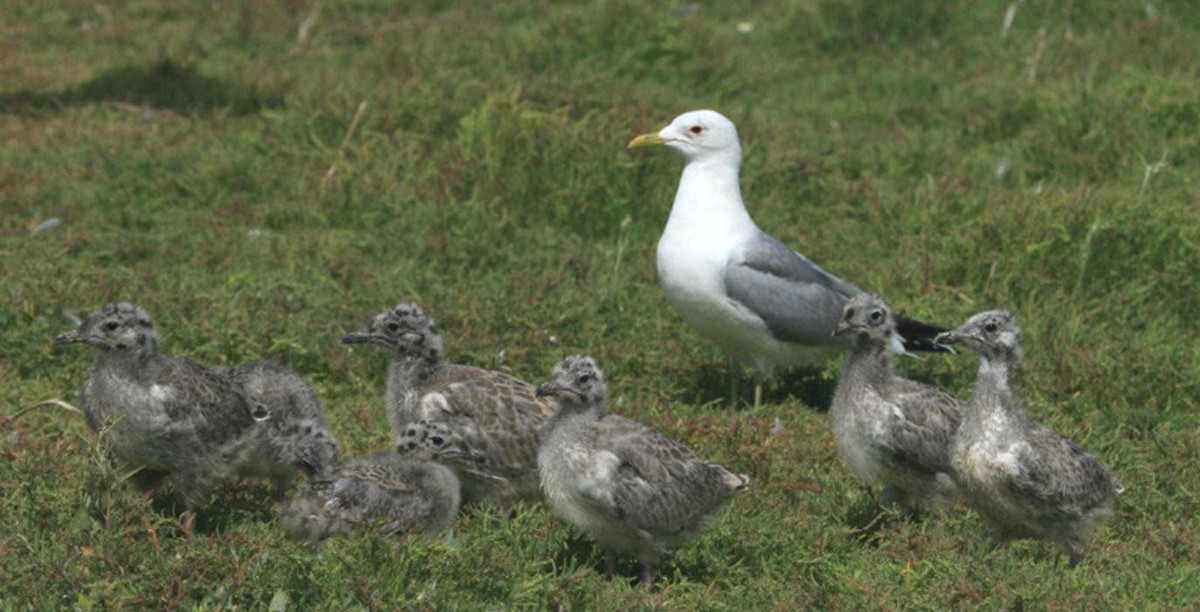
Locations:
(208, 425)
(799, 301)
(1062, 478)
(384, 471)
(203, 401)
(495, 414)
(660, 486)
(381, 490)
(919, 434)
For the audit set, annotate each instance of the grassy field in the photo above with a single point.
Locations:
(264, 176)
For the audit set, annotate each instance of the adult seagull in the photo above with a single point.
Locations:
(762, 303)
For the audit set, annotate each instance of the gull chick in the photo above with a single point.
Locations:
(891, 431)
(759, 301)
(168, 414)
(407, 492)
(629, 486)
(1026, 480)
(495, 414)
(384, 492)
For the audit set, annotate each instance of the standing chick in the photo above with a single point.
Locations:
(494, 413)
(891, 431)
(168, 414)
(290, 435)
(1026, 480)
(632, 488)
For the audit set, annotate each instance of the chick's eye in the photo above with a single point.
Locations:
(990, 328)
(583, 379)
(111, 325)
(697, 130)
(876, 316)
(438, 440)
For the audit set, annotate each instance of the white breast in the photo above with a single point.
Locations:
(161, 393)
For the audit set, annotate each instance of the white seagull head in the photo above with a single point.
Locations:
(699, 135)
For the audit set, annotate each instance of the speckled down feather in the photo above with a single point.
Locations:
(890, 430)
(492, 412)
(1025, 479)
(440, 442)
(631, 487)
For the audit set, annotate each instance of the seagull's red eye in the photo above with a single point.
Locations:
(696, 129)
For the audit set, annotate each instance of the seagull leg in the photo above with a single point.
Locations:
(648, 574)
(610, 564)
(996, 537)
(147, 480)
(280, 486)
(733, 381)
(506, 509)
(187, 523)
(758, 387)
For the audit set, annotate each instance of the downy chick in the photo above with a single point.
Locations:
(494, 413)
(1024, 479)
(168, 414)
(630, 487)
(890, 430)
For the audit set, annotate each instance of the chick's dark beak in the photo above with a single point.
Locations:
(358, 337)
(70, 337)
(949, 337)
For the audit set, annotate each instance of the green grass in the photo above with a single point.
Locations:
(186, 150)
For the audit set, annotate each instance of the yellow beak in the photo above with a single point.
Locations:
(646, 140)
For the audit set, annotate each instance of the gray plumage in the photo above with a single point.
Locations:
(495, 414)
(629, 486)
(384, 492)
(891, 431)
(1026, 480)
(762, 303)
(168, 414)
(291, 435)
(794, 296)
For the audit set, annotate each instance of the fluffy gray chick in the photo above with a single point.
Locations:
(412, 491)
(388, 492)
(630, 487)
(168, 414)
(1026, 480)
(891, 431)
(494, 413)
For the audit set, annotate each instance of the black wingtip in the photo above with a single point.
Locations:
(920, 345)
(919, 336)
